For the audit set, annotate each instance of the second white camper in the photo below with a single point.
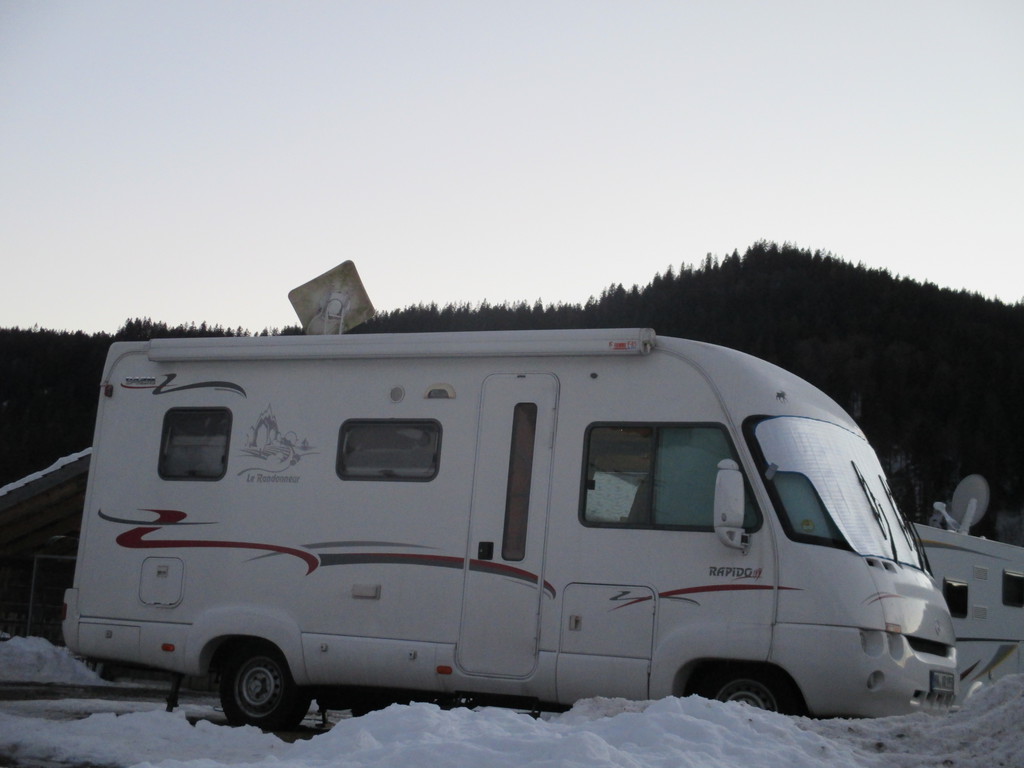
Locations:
(529, 516)
(983, 582)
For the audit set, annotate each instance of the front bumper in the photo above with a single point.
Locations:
(849, 672)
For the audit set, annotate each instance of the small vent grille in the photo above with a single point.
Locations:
(980, 612)
(980, 573)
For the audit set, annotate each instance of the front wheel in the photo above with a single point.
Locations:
(764, 688)
(256, 688)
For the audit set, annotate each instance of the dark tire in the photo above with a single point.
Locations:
(256, 688)
(761, 687)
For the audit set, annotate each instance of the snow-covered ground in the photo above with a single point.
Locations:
(596, 733)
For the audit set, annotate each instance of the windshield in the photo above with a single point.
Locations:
(832, 489)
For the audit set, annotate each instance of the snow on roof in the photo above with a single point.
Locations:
(35, 476)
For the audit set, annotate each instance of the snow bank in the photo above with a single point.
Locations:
(984, 734)
(671, 733)
(35, 660)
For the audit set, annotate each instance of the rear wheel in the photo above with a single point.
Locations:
(256, 688)
(762, 687)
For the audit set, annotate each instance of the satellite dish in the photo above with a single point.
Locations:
(333, 303)
(970, 502)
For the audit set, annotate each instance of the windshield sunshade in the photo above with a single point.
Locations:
(848, 480)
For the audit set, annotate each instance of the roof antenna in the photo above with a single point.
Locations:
(333, 303)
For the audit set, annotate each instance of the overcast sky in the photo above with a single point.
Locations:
(194, 161)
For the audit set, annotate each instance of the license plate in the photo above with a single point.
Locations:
(943, 682)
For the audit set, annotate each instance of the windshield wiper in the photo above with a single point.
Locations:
(905, 525)
(876, 508)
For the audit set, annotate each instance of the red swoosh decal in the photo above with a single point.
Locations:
(443, 561)
(136, 539)
(879, 596)
(706, 588)
(720, 588)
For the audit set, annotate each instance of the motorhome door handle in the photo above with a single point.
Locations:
(485, 550)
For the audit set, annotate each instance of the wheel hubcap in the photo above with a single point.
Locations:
(259, 686)
(749, 692)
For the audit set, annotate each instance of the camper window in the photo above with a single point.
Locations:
(804, 510)
(520, 473)
(654, 476)
(955, 593)
(388, 449)
(194, 444)
(1013, 589)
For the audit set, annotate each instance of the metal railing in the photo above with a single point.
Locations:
(32, 595)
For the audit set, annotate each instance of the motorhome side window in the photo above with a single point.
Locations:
(520, 475)
(194, 444)
(654, 476)
(1013, 589)
(389, 449)
(956, 594)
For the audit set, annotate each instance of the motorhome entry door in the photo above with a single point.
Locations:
(504, 576)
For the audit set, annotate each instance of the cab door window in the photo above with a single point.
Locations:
(655, 476)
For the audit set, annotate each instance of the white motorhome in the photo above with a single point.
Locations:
(519, 516)
(983, 582)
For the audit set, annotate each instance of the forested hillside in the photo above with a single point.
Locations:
(932, 375)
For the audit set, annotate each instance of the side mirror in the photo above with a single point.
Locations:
(730, 504)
